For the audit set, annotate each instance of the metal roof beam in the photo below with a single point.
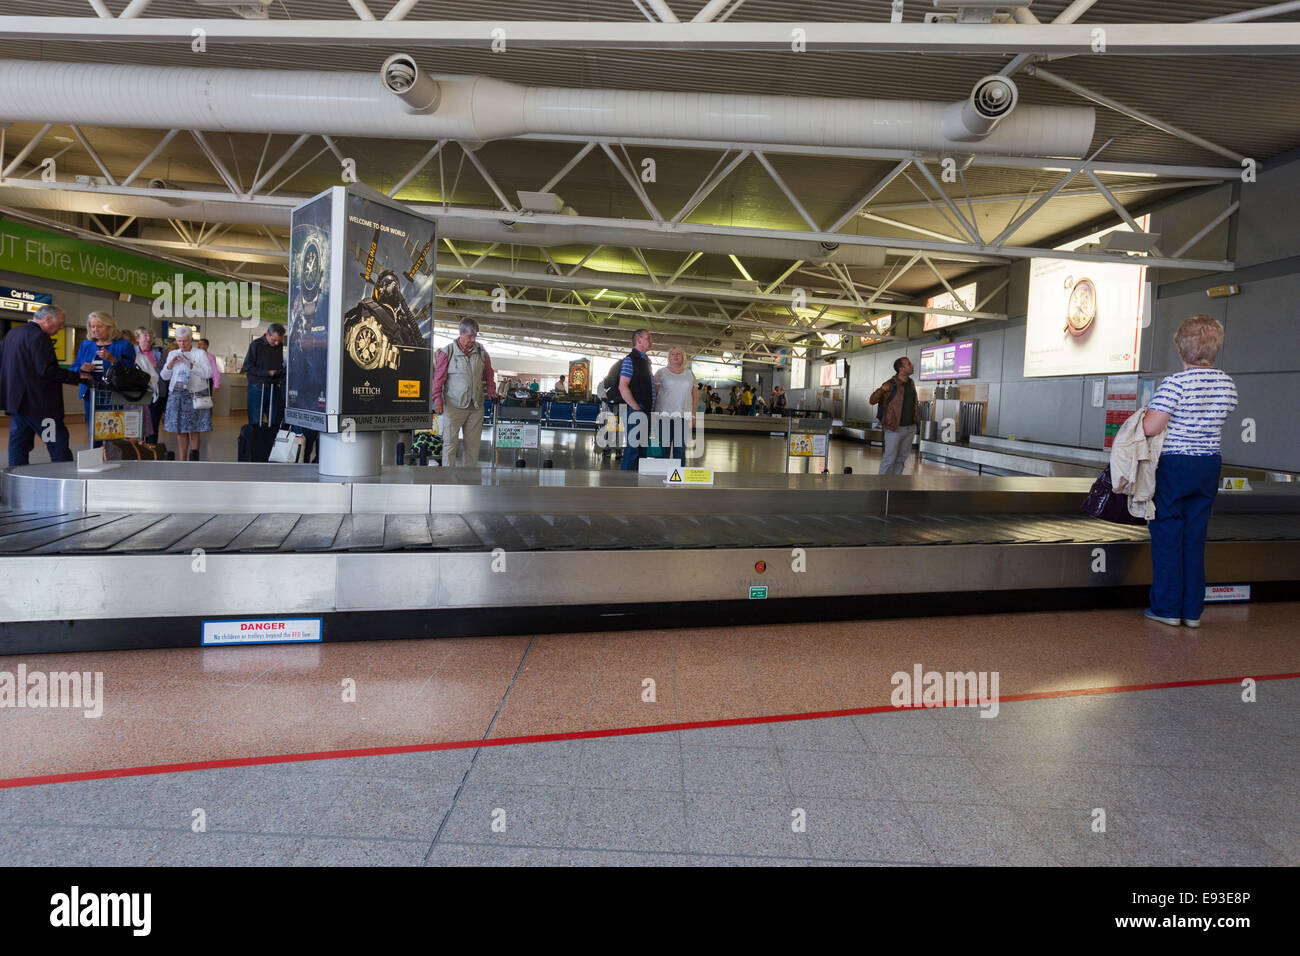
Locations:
(1122, 39)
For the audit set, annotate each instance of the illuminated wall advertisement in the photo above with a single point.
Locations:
(1084, 317)
(956, 360)
(963, 299)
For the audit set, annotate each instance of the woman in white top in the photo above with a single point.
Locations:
(189, 402)
(675, 388)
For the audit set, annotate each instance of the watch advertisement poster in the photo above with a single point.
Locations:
(387, 331)
(307, 349)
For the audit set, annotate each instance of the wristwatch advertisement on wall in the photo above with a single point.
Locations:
(1081, 306)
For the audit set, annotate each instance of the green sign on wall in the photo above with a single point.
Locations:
(49, 255)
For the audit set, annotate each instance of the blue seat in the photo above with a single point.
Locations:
(587, 415)
(559, 413)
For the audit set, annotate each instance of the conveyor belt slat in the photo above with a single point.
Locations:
(625, 532)
(684, 531)
(495, 532)
(9, 516)
(101, 538)
(35, 539)
(831, 532)
(313, 533)
(917, 529)
(585, 534)
(406, 532)
(538, 534)
(360, 533)
(749, 531)
(266, 533)
(35, 523)
(1108, 532)
(214, 535)
(451, 532)
(163, 535)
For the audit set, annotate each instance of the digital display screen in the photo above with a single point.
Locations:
(955, 360)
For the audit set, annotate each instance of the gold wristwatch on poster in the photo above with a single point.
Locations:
(369, 346)
(1081, 308)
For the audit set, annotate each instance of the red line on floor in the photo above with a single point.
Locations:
(581, 734)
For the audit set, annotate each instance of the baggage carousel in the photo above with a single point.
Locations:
(140, 555)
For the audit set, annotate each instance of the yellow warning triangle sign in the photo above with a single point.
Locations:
(675, 476)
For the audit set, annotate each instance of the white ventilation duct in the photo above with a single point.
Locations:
(481, 108)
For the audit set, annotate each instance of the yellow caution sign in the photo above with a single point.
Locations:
(690, 476)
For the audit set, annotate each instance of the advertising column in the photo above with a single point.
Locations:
(361, 306)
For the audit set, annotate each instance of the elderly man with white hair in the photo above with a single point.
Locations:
(462, 374)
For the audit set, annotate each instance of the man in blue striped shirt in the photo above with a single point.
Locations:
(1190, 407)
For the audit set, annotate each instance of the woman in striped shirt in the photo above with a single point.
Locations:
(1190, 407)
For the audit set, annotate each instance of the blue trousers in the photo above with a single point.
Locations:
(1186, 486)
(638, 428)
(22, 439)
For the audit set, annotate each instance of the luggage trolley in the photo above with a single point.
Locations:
(517, 427)
(806, 439)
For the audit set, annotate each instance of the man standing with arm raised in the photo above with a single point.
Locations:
(897, 395)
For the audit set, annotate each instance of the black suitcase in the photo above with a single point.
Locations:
(255, 441)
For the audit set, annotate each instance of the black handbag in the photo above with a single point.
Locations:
(127, 380)
(1106, 503)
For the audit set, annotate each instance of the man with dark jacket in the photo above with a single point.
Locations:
(899, 419)
(264, 366)
(31, 387)
(636, 384)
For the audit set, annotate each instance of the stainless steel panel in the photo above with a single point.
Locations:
(236, 584)
(390, 499)
(218, 497)
(231, 585)
(387, 582)
(37, 488)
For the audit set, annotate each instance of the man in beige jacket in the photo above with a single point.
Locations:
(462, 374)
